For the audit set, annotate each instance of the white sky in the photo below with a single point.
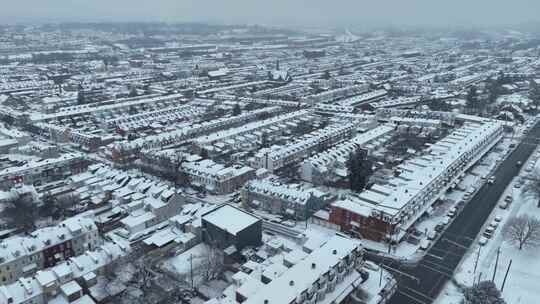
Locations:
(278, 12)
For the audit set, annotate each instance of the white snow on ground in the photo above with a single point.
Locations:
(181, 264)
(522, 285)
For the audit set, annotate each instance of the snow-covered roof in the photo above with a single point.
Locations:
(18, 247)
(287, 287)
(419, 173)
(230, 219)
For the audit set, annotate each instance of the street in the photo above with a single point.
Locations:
(422, 283)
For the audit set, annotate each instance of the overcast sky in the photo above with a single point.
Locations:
(277, 12)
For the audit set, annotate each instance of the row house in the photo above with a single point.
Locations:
(46, 247)
(217, 178)
(241, 138)
(290, 201)
(336, 94)
(387, 212)
(109, 108)
(66, 282)
(278, 157)
(123, 150)
(149, 212)
(45, 170)
(271, 126)
(363, 98)
(146, 119)
(65, 134)
(427, 118)
(330, 166)
(309, 279)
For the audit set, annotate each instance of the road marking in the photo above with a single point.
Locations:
(456, 244)
(435, 256)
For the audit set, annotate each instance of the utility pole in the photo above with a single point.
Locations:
(479, 278)
(380, 277)
(191, 270)
(506, 275)
(476, 262)
(496, 264)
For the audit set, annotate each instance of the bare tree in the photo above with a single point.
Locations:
(532, 187)
(484, 292)
(21, 213)
(523, 231)
(211, 264)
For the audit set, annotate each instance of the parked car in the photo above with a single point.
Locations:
(503, 205)
(494, 224)
(508, 199)
(497, 219)
(488, 233)
(445, 221)
(432, 235)
(482, 241)
(491, 180)
(451, 213)
(424, 244)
